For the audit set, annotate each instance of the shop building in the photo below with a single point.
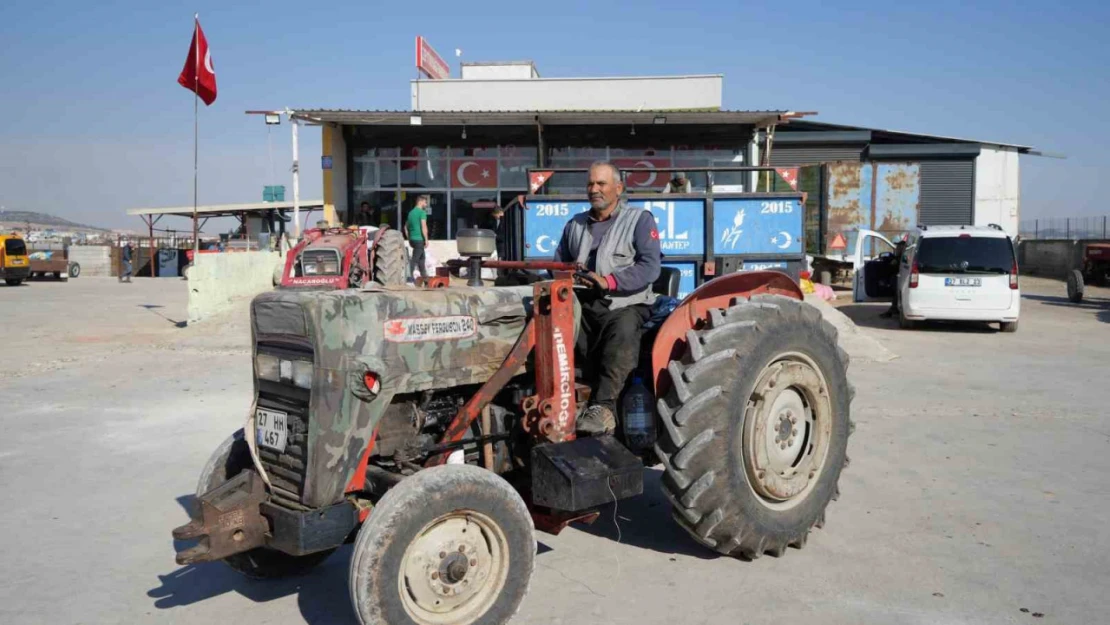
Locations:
(468, 141)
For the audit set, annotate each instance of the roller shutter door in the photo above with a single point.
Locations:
(947, 193)
(790, 154)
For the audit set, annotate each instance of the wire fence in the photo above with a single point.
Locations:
(1065, 228)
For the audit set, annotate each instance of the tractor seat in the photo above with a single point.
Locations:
(667, 282)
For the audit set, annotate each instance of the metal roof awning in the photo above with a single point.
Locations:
(225, 210)
(552, 118)
(807, 131)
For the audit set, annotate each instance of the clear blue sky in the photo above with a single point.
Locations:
(92, 120)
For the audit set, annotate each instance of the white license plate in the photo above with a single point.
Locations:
(270, 429)
(963, 282)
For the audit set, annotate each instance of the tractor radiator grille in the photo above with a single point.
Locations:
(286, 470)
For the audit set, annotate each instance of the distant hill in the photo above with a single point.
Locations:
(42, 221)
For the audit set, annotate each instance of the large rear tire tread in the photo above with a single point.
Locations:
(703, 413)
(231, 458)
(407, 509)
(391, 259)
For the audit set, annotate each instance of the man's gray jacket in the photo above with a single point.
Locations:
(628, 253)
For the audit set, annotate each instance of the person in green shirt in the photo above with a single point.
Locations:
(416, 231)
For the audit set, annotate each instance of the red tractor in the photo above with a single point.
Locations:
(435, 428)
(341, 258)
(1095, 269)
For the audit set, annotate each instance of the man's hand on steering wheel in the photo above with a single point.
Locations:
(591, 279)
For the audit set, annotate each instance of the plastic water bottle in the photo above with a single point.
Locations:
(639, 418)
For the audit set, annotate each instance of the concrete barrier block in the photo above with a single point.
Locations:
(217, 280)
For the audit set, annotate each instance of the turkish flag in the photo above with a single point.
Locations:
(789, 175)
(198, 75)
(474, 173)
(646, 179)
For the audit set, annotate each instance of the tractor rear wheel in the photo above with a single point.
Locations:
(391, 259)
(756, 426)
(231, 458)
(451, 545)
(1075, 286)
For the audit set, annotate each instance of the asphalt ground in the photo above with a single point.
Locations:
(977, 491)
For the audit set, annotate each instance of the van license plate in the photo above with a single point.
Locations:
(270, 429)
(963, 282)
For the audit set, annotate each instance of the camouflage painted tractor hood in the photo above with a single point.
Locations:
(414, 340)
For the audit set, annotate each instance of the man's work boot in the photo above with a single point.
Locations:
(597, 420)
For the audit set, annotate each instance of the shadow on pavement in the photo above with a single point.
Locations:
(646, 522)
(868, 316)
(322, 594)
(1098, 305)
(151, 307)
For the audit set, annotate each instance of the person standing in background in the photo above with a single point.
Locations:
(416, 231)
(365, 216)
(125, 254)
(678, 184)
(496, 221)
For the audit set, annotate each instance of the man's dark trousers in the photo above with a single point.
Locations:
(416, 263)
(608, 345)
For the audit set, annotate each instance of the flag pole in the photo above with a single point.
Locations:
(196, 96)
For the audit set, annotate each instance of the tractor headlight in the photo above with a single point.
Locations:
(268, 367)
(274, 369)
(302, 373)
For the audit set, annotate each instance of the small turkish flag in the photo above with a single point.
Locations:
(538, 179)
(198, 75)
(789, 175)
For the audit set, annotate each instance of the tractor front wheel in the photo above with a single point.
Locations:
(231, 458)
(1075, 286)
(756, 426)
(451, 545)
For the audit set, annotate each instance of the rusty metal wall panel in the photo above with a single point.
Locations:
(849, 200)
(897, 198)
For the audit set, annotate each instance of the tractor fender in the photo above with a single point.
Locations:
(693, 311)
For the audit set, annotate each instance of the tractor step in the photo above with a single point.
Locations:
(584, 473)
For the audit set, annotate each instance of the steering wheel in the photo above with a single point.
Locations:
(583, 278)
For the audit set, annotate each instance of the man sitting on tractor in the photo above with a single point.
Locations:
(618, 245)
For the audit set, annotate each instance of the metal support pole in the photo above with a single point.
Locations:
(151, 222)
(296, 183)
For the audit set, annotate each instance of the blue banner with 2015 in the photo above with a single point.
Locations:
(681, 225)
(758, 226)
(771, 226)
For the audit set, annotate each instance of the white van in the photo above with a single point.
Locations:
(951, 273)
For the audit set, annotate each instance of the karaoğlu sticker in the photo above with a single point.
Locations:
(418, 329)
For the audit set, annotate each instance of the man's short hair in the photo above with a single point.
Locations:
(424, 196)
(616, 170)
(365, 203)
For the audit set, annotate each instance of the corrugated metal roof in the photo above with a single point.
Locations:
(820, 125)
(511, 118)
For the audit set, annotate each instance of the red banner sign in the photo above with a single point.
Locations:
(476, 173)
(431, 64)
